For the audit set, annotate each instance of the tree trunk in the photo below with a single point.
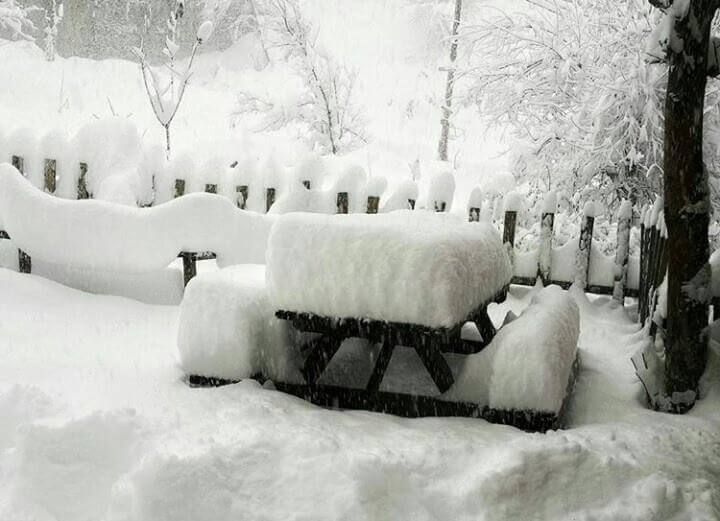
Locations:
(686, 209)
(449, 87)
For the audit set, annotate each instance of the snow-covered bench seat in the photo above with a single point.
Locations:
(408, 267)
(228, 330)
(530, 363)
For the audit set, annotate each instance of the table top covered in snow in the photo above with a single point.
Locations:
(410, 267)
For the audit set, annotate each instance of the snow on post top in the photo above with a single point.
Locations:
(408, 189)
(54, 144)
(22, 143)
(442, 188)
(212, 170)
(376, 186)
(310, 169)
(475, 200)
(351, 179)
(272, 172)
(514, 201)
(590, 209)
(205, 31)
(550, 202)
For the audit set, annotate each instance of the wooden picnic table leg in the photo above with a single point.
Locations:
(322, 350)
(381, 364)
(485, 326)
(435, 363)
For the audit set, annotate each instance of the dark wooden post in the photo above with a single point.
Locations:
(622, 253)
(189, 266)
(179, 187)
(440, 206)
(582, 264)
(411, 202)
(269, 198)
(242, 190)
(211, 188)
(509, 233)
(306, 184)
(547, 225)
(19, 163)
(50, 175)
(342, 202)
(82, 190)
(24, 262)
(474, 214)
(373, 204)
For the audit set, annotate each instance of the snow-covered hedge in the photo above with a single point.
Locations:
(414, 267)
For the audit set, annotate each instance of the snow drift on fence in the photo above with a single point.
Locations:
(228, 328)
(102, 235)
(413, 267)
(527, 365)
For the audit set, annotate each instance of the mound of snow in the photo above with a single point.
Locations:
(528, 363)
(413, 267)
(106, 236)
(228, 328)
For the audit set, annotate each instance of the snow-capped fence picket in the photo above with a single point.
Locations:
(583, 266)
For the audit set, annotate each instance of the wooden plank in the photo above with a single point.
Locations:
(179, 187)
(269, 198)
(381, 364)
(373, 204)
(547, 224)
(582, 273)
(211, 188)
(242, 192)
(622, 256)
(412, 406)
(50, 175)
(322, 351)
(189, 266)
(343, 202)
(19, 163)
(82, 189)
(24, 262)
(429, 352)
(485, 326)
(474, 215)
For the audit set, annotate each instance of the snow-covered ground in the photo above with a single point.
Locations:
(98, 425)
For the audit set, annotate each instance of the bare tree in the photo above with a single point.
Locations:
(166, 92)
(449, 85)
(328, 107)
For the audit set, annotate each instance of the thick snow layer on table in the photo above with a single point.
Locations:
(527, 365)
(101, 235)
(228, 328)
(414, 267)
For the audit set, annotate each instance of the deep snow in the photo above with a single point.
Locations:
(97, 424)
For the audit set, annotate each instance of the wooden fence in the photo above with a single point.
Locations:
(619, 288)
